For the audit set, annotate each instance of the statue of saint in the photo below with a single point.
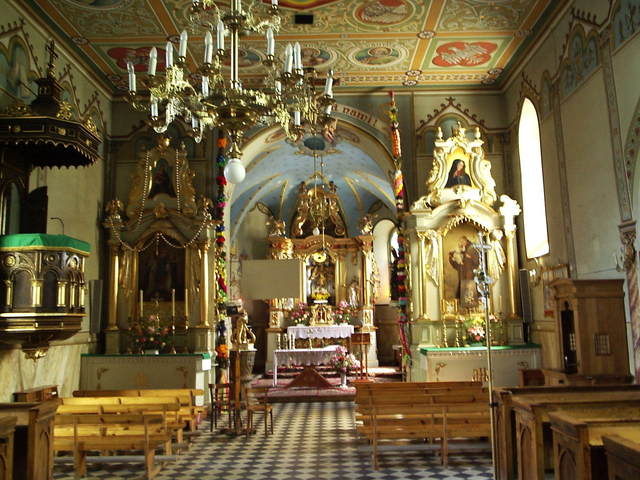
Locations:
(352, 293)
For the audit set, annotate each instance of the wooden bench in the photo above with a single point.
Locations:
(415, 412)
(187, 398)
(532, 422)
(623, 456)
(506, 455)
(7, 430)
(83, 433)
(577, 439)
(168, 407)
(33, 446)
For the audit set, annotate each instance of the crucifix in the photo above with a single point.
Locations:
(51, 48)
(483, 285)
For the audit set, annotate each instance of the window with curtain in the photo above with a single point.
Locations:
(533, 203)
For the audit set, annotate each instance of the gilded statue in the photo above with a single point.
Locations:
(242, 337)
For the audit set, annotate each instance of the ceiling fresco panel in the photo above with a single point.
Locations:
(464, 53)
(125, 18)
(485, 15)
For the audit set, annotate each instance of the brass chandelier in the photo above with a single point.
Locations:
(287, 98)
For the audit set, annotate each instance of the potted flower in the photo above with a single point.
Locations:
(343, 362)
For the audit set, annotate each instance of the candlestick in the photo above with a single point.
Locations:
(169, 55)
(173, 302)
(141, 305)
(153, 61)
(182, 49)
(186, 302)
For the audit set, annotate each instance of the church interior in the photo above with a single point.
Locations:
(319, 239)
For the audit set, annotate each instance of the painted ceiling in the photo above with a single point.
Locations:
(274, 177)
(368, 43)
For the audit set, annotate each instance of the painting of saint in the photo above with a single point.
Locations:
(383, 12)
(246, 58)
(458, 174)
(312, 57)
(162, 180)
(377, 56)
(161, 270)
(460, 262)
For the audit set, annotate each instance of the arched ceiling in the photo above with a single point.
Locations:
(276, 166)
(368, 43)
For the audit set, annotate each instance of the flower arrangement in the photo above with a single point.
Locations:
(343, 361)
(149, 335)
(320, 295)
(300, 314)
(222, 355)
(475, 330)
(344, 313)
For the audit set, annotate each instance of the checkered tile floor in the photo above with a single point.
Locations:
(311, 441)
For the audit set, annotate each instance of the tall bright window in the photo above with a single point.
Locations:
(533, 205)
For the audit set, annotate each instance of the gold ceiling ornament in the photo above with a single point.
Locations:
(288, 97)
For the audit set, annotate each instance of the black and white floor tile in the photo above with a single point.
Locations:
(311, 441)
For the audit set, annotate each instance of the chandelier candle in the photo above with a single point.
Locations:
(153, 61)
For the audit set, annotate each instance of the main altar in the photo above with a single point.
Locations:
(338, 276)
(460, 210)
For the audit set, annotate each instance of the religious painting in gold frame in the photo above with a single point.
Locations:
(460, 259)
(161, 270)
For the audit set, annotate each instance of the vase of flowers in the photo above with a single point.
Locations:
(149, 337)
(299, 314)
(476, 334)
(343, 313)
(343, 362)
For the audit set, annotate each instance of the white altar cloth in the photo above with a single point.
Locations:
(301, 356)
(342, 330)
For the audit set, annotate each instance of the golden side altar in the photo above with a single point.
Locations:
(442, 228)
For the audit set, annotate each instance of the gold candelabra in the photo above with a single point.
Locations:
(289, 97)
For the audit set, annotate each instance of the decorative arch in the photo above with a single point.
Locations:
(631, 154)
(18, 70)
(581, 58)
(546, 93)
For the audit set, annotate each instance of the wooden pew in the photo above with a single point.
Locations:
(82, 433)
(532, 418)
(506, 456)
(33, 445)
(577, 439)
(168, 407)
(7, 430)
(415, 413)
(187, 397)
(623, 456)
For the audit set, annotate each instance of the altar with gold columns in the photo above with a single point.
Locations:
(442, 226)
(160, 254)
(348, 270)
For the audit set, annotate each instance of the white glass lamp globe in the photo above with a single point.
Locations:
(234, 172)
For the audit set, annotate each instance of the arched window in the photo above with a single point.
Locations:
(533, 206)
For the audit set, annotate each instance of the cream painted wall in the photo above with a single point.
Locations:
(592, 188)
(76, 196)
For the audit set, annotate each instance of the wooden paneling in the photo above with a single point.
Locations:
(623, 457)
(7, 430)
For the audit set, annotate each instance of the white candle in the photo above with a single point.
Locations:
(154, 107)
(186, 302)
(220, 35)
(141, 305)
(327, 109)
(169, 55)
(296, 118)
(208, 47)
(297, 57)
(271, 43)
(278, 87)
(205, 86)
(195, 123)
(328, 86)
(182, 50)
(132, 77)
(288, 58)
(274, 3)
(173, 302)
(153, 61)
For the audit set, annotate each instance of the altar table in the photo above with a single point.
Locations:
(301, 356)
(457, 364)
(342, 330)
